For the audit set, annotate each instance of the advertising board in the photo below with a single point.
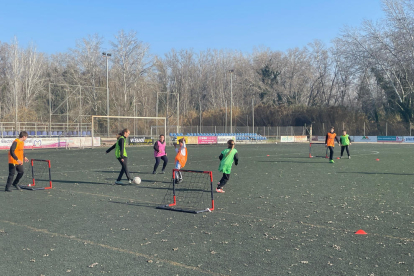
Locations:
(397, 139)
(366, 139)
(64, 142)
(203, 140)
(408, 139)
(287, 139)
(224, 139)
(141, 140)
(301, 139)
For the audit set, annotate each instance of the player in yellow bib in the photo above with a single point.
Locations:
(345, 143)
(121, 155)
(227, 157)
(16, 158)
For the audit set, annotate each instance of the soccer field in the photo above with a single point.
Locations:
(282, 213)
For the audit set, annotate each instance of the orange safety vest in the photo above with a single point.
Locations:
(331, 139)
(180, 158)
(19, 152)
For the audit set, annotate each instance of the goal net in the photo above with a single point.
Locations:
(318, 149)
(190, 191)
(37, 175)
(143, 130)
(317, 146)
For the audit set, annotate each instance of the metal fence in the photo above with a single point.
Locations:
(366, 128)
(275, 131)
(39, 129)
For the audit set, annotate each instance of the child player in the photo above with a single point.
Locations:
(227, 157)
(330, 143)
(159, 153)
(345, 143)
(180, 159)
(16, 157)
(121, 155)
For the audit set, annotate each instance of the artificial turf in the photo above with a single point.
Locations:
(282, 213)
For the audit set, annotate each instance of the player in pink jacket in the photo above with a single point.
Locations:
(159, 153)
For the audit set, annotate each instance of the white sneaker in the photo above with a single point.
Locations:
(349, 157)
(119, 183)
(130, 181)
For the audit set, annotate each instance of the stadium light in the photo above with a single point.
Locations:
(106, 55)
(231, 100)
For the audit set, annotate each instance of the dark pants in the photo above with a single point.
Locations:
(178, 176)
(124, 169)
(12, 170)
(223, 180)
(157, 162)
(342, 150)
(331, 152)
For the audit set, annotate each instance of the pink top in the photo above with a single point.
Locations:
(161, 149)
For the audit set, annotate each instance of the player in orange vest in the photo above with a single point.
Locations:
(180, 159)
(330, 143)
(16, 158)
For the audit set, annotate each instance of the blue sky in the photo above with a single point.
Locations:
(55, 25)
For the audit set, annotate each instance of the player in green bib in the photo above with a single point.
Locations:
(121, 155)
(345, 142)
(227, 157)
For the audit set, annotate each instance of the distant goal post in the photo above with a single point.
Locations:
(129, 122)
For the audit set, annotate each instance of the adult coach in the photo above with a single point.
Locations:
(159, 153)
(16, 158)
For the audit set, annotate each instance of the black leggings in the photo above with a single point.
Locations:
(157, 162)
(331, 152)
(223, 180)
(12, 171)
(342, 150)
(124, 169)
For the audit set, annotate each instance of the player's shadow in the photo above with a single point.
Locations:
(380, 173)
(299, 157)
(101, 183)
(177, 189)
(139, 204)
(283, 161)
(81, 182)
(118, 172)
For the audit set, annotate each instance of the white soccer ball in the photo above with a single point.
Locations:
(137, 180)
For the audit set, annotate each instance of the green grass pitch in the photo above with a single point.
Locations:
(281, 214)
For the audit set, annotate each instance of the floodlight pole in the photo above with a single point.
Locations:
(253, 114)
(177, 97)
(231, 100)
(15, 109)
(50, 109)
(107, 55)
(225, 128)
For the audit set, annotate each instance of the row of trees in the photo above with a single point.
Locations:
(367, 70)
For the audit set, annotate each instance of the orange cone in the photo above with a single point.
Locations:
(361, 232)
(377, 159)
(338, 158)
(268, 155)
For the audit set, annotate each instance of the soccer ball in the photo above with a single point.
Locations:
(137, 180)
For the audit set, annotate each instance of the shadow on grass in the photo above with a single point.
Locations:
(300, 157)
(80, 182)
(100, 183)
(283, 161)
(117, 171)
(139, 204)
(380, 173)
